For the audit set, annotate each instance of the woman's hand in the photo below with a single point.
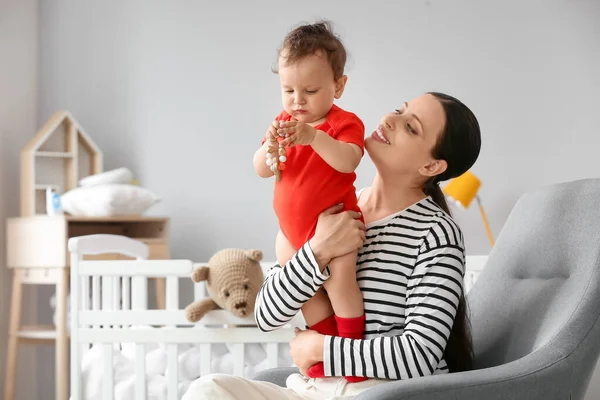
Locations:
(337, 234)
(306, 349)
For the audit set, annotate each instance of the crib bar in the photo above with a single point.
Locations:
(125, 299)
(76, 355)
(96, 294)
(172, 365)
(140, 372)
(107, 378)
(84, 304)
(148, 268)
(172, 288)
(107, 296)
(205, 358)
(116, 301)
(199, 291)
(139, 294)
(172, 304)
(139, 303)
(238, 358)
(84, 298)
(272, 354)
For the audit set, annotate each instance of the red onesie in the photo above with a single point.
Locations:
(309, 185)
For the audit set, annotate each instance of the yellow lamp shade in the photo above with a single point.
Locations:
(463, 189)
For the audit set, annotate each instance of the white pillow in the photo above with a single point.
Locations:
(119, 175)
(108, 200)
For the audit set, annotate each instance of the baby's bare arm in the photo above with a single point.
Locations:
(260, 156)
(342, 156)
(260, 162)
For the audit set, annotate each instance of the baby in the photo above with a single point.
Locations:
(313, 148)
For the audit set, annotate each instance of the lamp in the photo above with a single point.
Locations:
(463, 190)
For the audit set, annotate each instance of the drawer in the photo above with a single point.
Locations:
(36, 242)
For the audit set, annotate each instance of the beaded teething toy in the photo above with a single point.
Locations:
(277, 163)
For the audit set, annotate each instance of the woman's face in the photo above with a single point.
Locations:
(403, 141)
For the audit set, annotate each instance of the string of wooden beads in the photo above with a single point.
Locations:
(276, 161)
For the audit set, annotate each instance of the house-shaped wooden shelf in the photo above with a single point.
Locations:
(59, 155)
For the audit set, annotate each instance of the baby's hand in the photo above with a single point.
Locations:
(271, 134)
(297, 132)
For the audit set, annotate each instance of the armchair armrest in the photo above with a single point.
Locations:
(277, 376)
(516, 380)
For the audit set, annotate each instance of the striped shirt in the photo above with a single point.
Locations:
(410, 272)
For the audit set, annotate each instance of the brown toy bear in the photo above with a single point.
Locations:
(233, 278)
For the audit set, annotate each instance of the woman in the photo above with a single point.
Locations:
(410, 266)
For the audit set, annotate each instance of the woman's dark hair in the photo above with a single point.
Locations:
(459, 145)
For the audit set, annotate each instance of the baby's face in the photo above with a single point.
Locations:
(308, 88)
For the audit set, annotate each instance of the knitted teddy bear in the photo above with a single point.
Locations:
(233, 278)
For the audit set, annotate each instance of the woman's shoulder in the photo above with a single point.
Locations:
(425, 219)
(443, 229)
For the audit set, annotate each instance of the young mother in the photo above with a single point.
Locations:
(410, 267)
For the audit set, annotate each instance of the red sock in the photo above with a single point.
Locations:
(326, 326)
(352, 328)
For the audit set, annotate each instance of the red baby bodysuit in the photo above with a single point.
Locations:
(309, 185)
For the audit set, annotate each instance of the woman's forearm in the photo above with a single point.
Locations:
(320, 253)
(286, 290)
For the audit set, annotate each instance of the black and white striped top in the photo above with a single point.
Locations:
(410, 271)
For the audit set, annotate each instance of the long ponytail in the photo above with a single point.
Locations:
(432, 189)
(459, 348)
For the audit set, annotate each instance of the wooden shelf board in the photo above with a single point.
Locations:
(37, 332)
(124, 218)
(55, 154)
(41, 186)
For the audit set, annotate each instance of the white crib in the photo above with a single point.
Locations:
(108, 298)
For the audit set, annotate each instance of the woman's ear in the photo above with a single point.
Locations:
(340, 84)
(433, 168)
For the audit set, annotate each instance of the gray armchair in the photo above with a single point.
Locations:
(534, 309)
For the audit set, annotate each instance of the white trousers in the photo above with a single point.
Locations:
(229, 387)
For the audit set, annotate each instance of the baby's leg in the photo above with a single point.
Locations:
(284, 251)
(347, 300)
(316, 309)
(342, 287)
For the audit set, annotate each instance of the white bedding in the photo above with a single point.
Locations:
(156, 367)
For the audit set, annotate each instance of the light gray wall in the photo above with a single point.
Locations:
(181, 92)
(18, 109)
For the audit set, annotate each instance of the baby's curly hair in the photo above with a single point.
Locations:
(309, 39)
